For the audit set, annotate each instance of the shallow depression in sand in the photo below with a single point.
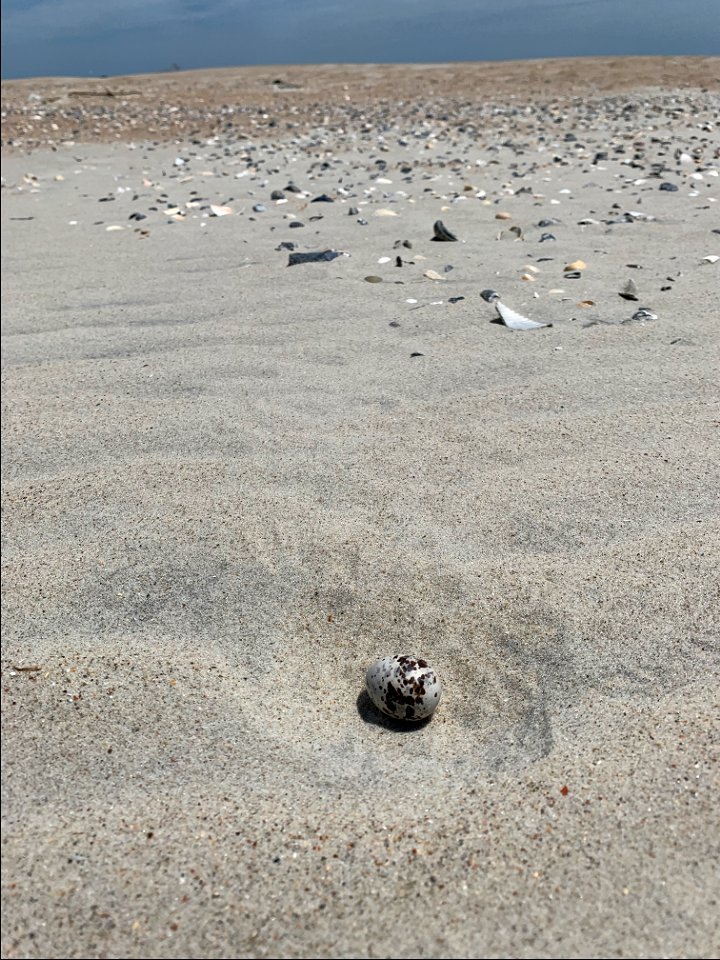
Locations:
(516, 682)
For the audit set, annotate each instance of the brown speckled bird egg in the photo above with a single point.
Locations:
(405, 688)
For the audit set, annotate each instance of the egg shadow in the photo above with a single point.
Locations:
(370, 714)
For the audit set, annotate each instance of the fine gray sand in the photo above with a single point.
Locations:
(228, 486)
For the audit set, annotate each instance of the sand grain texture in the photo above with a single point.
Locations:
(228, 487)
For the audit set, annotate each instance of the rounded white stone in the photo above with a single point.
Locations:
(403, 687)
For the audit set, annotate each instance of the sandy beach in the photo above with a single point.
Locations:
(229, 484)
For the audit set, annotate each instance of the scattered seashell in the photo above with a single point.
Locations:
(643, 314)
(373, 279)
(441, 232)
(503, 216)
(629, 291)
(712, 258)
(575, 265)
(403, 687)
(528, 276)
(586, 303)
(512, 233)
(489, 296)
(320, 257)
(113, 227)
(516, 321)
(383, 212)
(433, 275)
(384, 259)
(220, 211)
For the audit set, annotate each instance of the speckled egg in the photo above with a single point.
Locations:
(405, 688)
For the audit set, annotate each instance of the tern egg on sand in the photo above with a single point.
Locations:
(403, 687)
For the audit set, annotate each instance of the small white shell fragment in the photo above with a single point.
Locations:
(712, 258)
(516, 321)
(403, 687)
(384, 259)
(218, 211)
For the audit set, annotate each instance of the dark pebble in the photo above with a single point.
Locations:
(669, 187)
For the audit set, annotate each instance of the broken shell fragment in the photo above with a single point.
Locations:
(516, 321)
(319, 257)
(403, 687)
(643, 314)
(575, 265)
(441, 232)
(629, 291)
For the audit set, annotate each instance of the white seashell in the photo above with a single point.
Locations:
(516, 321)
(403, 687)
